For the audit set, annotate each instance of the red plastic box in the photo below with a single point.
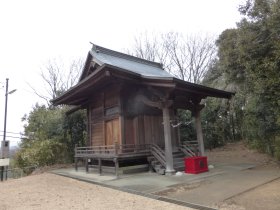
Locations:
(195, 165)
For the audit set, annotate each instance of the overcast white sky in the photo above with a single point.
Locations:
(34, 31)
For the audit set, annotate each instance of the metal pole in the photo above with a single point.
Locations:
(5, 118)
(5, 123)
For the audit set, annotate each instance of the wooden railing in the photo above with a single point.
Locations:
(118, 150)
(131, 148)
(94, 150)
(158, 153)
(190, 148)
(112, 150)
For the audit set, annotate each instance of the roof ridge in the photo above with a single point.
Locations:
(98, 49)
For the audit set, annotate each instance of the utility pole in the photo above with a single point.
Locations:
(5, 125)
(5, 118)
(4, 143)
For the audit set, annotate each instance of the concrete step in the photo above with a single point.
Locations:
(160, 171)
(122, 170)
(179, 168)
(179, 162)
(178, 154)
(178, 159)
(182, 156)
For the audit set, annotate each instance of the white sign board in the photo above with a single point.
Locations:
(4, 162)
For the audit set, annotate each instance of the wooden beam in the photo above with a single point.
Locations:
(158, 104)
(148, 102)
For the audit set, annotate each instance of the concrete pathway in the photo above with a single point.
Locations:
(196, 191)
(220, 188)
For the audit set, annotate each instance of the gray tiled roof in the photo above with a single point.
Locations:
(136, 65)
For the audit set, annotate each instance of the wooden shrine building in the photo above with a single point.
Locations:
(131, 104)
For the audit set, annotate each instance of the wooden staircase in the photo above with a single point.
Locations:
(158, 163)
(157, 159)
(189, 148)
(178, 161)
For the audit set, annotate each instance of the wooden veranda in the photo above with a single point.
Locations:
(130, 103)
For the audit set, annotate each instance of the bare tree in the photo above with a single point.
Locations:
(187, 58)
(149, 47)
(56, 78)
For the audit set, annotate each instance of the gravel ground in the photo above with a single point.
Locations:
(49, 191)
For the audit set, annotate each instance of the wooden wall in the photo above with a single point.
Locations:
(147, 129)
(104, 115)
(114, 115)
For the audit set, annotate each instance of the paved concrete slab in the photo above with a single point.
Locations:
(219, 188)
(142, 182)
(220, 183)
(234, 167)
(81, 174)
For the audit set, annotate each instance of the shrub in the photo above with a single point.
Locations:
(41, 153)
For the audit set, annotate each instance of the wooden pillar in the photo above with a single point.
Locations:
(150, 164)
(199, 134)
(167, 141)
(76, 164)
(86, 163)
(75, 158)
(116, 146)
(89, 140)
(116, 167)
(6, 167)
(99, 166)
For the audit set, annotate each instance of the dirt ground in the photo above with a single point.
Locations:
(49, 191)
(263, 197)
(266, 196)
(239, 153)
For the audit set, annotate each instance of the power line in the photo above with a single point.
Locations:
(12, 140)
(11, 132)
(15, 137)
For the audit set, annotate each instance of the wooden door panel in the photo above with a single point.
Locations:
(112, 132)
(116, 130)
(109, 133)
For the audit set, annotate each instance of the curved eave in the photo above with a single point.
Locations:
(105, 74)
(86, 66)
(204, 91)
(74, 96)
